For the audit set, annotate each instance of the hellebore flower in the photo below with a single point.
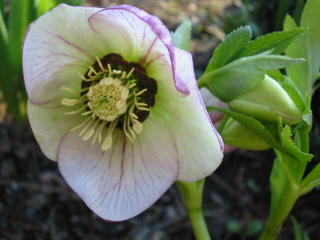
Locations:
(117, 106)
(267, 102)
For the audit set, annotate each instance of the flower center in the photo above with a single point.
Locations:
(115, 94)
(108, 99)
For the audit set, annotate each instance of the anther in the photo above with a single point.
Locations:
(76, 111)
(107, 143)
(141, 92)
(130, 73)
(100, 64)
(71, 102)
(80, 125)
(137, 127)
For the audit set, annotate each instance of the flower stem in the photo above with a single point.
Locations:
(192, 198)
(286, 186)
(278, 215)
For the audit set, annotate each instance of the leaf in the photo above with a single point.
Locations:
(254, 125)
(70, 2)
(231, 47)
(299, 234)
(288, 146)
(308, 47)
(3, 31)
(6, 84)
(1, 7)
(277, 42)
(311, 180)
(285, 144)
(242, 75)
(182, 36)
(278, 181)
(44, 6)
(19, 19)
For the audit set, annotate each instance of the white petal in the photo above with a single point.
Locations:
(139, 37)
(49, 125)
(57, 47)
(129, 36)
(199, 145)
(212, 101)
(125, 180)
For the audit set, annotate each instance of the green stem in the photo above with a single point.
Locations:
(191, 193)
(286, 186)
(198, 223)
(278, 215)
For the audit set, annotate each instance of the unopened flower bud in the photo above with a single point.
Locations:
(235, 134)
(267, 102)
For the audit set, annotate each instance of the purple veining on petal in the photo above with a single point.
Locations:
(144, 58)
(163, 34)
(75, 46)
(43, 53)
(123, 182)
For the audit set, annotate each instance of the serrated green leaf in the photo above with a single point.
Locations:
(277, 42)
(288, 145)
(264, 62)
(242, 75)
(231, 47)
(308, 47)
(285, 144)
(254, 125)
(182, 36)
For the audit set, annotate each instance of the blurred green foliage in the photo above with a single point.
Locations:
(299, 234)
(261, 16)
(15, 16)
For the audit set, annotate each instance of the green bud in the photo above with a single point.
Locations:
(267, 102)
(235, 134)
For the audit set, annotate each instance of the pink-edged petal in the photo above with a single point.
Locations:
(124, 181)
(199, 145)
(211, 101)
(57, 47)
(49, 125)
(138, 36)
(215, 116)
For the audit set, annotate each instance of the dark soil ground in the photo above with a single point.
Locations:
(36, 203)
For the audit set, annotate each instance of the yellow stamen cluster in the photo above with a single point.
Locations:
(110, 100)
